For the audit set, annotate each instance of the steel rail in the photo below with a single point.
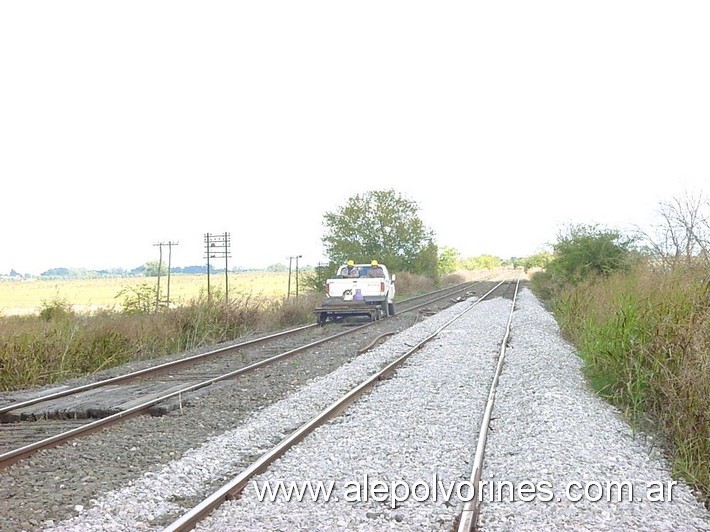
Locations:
(373, 342)
(231, 490)
(10, 457)
(13, 456)
(469, 515)
(175, 363)
(453, 288)
(146, 371)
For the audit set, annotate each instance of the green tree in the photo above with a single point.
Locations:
(383, 225)
(278, 268)
(448, 260)
(539, 260)
(481, 262)
(314, 280)
(586, 250)
(151, 269)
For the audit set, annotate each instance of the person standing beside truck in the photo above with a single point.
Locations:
(375, 270)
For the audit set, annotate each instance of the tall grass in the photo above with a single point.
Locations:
(412, 284)
(645, 340)
(59, 343)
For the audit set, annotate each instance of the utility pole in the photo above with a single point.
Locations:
(321, 275)
(170, 265)
(160, 245)
(290, 259)
(288, 290)
(297, 257)
(226, 269)
(217, 246)
(160, 267)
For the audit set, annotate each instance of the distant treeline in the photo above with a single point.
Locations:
(141, 271)
(150, 269)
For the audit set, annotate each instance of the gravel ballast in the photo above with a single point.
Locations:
(59, 483)
(149, 500)
(416, 429)
(549, 427)
(416, 426)
(419, 429)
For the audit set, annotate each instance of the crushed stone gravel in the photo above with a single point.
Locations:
(548, 428)
(161, 495)
(551, 430)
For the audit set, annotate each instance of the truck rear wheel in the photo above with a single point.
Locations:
(390, 308)
(385, 309)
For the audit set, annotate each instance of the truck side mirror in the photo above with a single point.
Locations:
(394, 277)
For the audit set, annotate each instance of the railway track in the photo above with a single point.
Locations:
(419, 427)
(467, 519)
(51, 419)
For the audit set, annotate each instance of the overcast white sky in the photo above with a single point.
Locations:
(127, 123)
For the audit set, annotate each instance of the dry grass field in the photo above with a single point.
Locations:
(28, 297)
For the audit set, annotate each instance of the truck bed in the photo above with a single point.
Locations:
(335, 308)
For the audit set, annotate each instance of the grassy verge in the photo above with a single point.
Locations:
(644, 337)
(60, 343)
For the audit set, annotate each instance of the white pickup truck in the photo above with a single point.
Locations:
(364, 295)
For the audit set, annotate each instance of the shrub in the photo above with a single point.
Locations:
(586, 251)
(56, 310)
(583, 252)
(315, 281)
(138, 299)
(482, 262)
(292, 311)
